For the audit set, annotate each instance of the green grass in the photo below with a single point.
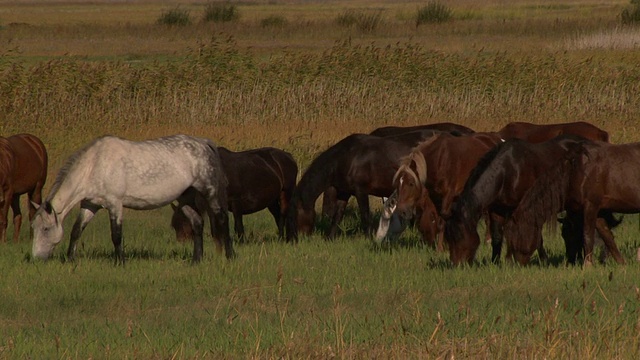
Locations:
(316, 298)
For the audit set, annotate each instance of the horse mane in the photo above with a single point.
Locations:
(416, 156)
(69, 165)
(542, 202)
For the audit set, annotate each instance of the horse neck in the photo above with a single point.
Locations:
(66, 193)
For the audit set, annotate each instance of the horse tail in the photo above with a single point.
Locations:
(544, 200)
(222, 181)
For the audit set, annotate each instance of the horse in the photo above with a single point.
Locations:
(497, 184)
(29, 175)
(115, 173)
(358, 165)
(536, 133)
(397, 130)
(7, 164)
(258, 178)
(589, 184)
(433, 175)
(410, 135)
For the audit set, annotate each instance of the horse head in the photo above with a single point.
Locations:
(409, 183)
(180, 223)
(47, 231)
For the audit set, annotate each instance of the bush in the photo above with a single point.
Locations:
(365, 21)
(631, 16)
(175, 17)
(274, 21)
(433, 12)
(217, 12)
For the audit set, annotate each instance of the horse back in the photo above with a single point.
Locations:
(7, 163)
(31, 162)
(537, 133)
(397, 130)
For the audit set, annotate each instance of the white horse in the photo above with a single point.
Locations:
(390, 225)
(115, 173)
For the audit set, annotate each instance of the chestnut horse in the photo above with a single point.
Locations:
(7, 163)
(535, 133)
(497, 185)
(436, 171)
(24, 168)
(589, 184)
(259, 178)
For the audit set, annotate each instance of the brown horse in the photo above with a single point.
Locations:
(497, 185)
(27, 175)
(259, 178)
(436, 171)
(536, 133)
(358, 165)
(410, 136)
(7, 163)
(589, 184)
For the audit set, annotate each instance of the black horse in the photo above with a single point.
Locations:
(359, 165)
(259, 178)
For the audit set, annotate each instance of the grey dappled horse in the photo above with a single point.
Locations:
(115, 173)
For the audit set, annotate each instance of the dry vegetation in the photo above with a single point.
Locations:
(72, 70)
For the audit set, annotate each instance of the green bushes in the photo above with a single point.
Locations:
(433, 12)
(175, 17)
(631, 16)
(216, 12)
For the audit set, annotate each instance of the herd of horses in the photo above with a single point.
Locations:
(444, 177)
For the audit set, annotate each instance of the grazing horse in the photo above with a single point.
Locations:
(397, 130)
(115, 173)
(358, 165)
(590, 185)
(7, 164)
(497, 185)
(434, 173)
(259, 178)
(409, 135)
(535, 133)
(29, 175)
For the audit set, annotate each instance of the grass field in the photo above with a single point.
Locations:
(73, 70)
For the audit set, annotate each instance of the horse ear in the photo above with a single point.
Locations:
(35, 205)
(174, 207)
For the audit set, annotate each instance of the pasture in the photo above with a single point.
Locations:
(290, 75)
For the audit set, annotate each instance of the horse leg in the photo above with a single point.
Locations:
(365, 213)
(87, 211)
(590, 219)
(542, 253)
(607, 236)
(329, 202)
(238, 226)
(4, 212)
(17, 217)
(278, 216)
(572, 234)
(341, 205)
(197, 226)
(496, 224)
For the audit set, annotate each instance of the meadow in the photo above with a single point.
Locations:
(295, 75)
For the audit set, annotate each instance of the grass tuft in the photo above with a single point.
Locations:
(433, 12)
(220, 12)
(175, 17)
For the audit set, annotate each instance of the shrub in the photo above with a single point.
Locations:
(217, 12)
(631, 16)
(175, 17)
(365, 21)
(433, 12)
(274, 21)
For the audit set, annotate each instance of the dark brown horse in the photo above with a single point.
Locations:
(26, 175)
(358, 165)
(497, 185)
(436, 171)
(590, 185)
(259, 178)
(410, 136)
(535, 133)
(7, 163)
